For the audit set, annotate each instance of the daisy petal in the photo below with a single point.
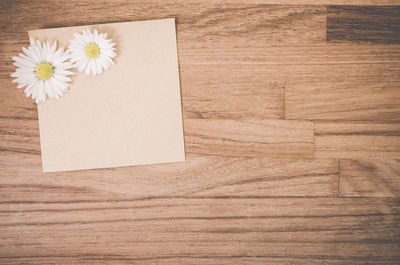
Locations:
(48, 89)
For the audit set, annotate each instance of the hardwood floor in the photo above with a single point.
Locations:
(291, 115)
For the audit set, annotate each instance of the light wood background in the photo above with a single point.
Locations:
(291, 116)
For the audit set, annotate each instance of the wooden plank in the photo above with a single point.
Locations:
(374, 24)
(361, 86)
(250, 138)
(205, 176)
(265, 56)
(19, 134)
(377, 177)
(216, 92)
(357, 140)
(202, 230)
(367, 100)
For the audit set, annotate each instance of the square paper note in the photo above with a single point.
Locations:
(129, 115)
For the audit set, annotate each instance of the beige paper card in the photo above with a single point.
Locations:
(129, 115)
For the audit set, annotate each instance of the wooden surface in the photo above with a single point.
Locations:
(291, 116)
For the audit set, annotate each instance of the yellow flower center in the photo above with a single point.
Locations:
(44, 71)
(92, 50)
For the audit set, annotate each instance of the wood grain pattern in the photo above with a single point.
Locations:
(357, 140)
(198, 176)
(235, 54)
(291, 116)
(20, 135)
(366, 87)
(362, 79)
(252, 138)
(203, 230)
(223, 97)
(363, 24)
(378, 177)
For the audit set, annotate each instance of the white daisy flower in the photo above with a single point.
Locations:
(43, 70)
(92, 52)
